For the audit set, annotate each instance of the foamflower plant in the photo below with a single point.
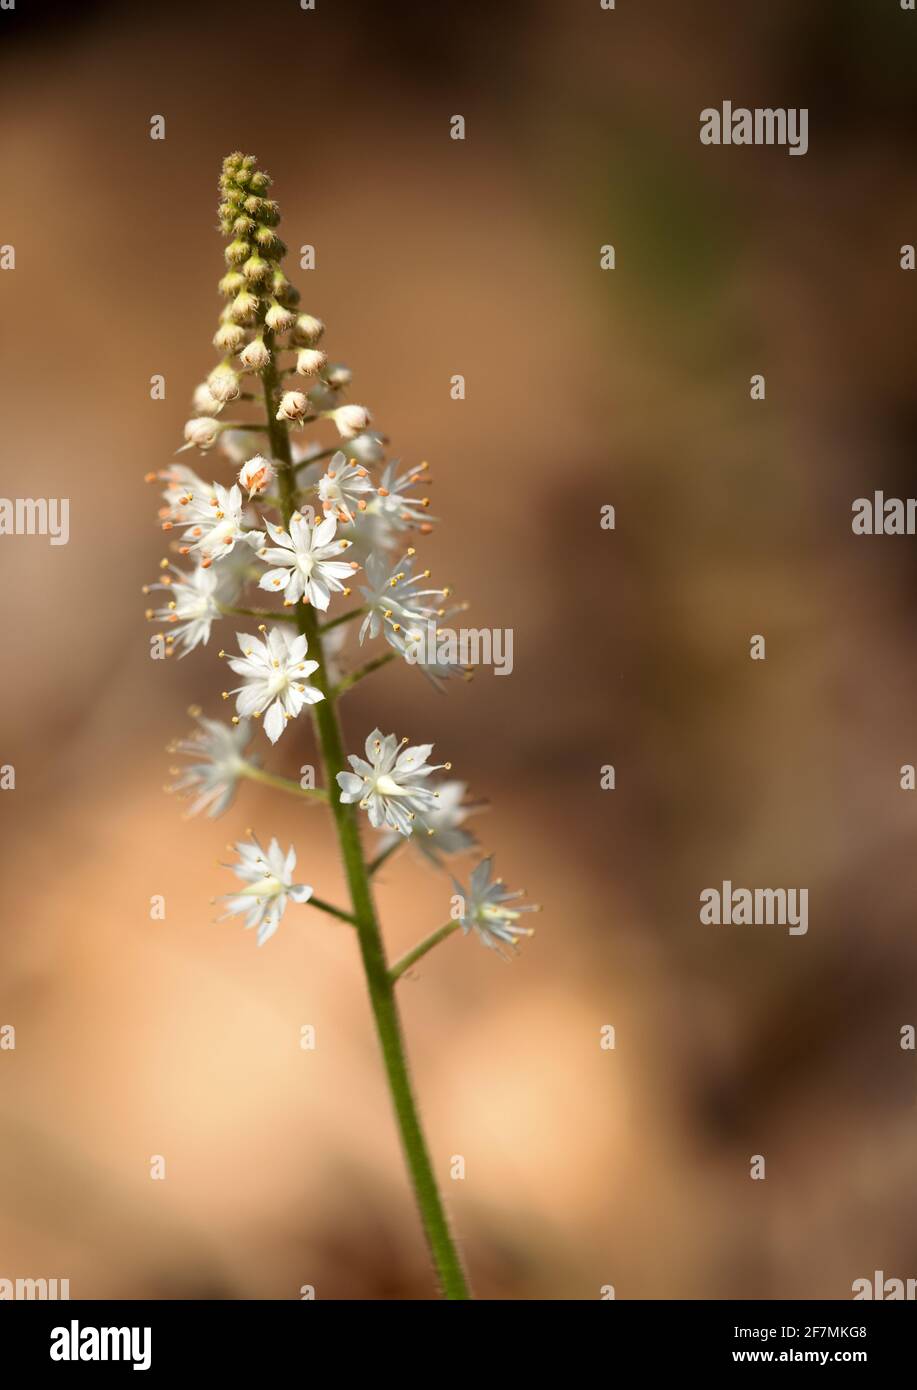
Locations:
(311, 544)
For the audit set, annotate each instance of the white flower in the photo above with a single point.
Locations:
(236, 444)
(388, 782)
(343, 488)
(306, 567)
(256, 475)
(268, 876)
(439, 831)
(218, 753)
(275, 671)
(193, 606)
(395, 606)
(309, 361)
(399, 510)
(293, 406)
(485, 911)
(308, 330)
(202, 432)
(351, 420)
(183, 486)
(367, 448)
(256, 356)
(216, 524)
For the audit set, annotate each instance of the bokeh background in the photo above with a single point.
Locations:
(178, 1037)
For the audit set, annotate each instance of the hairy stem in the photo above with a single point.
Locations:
(349, 681)
(421, 949)
(332, 911)
(384, 854)
(284, 784)
(381, 987)
(342, 618)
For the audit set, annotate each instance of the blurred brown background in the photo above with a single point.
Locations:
(180, 1038)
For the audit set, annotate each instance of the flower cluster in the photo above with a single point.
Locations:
(293, 525)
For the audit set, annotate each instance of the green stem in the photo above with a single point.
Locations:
(331, 910)
(421, 949)
(265, 614)
(316, 458)
(376, 864)
(284, 784)
(380, 986)
(358, 675)
(341, 618)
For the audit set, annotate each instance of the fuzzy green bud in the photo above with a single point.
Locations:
(257, 270)
(231, 283)
(229, 337)
(244, 307)
(237, 252)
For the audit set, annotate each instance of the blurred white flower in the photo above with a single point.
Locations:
(218, 758)
(440, 831)
(484, 909)
(192, 606)
(268, 878)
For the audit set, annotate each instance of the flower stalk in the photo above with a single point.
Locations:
(379, 982)
(299, 524)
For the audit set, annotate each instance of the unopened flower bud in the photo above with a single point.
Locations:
(285, 293)
(293, 406)
(244, 307)
(256, 270)
(338, 375)
(268, 212)
(351, 420)
(256, 356)
(308, 330)
(309, 361)
(237, 252)
(203, 432)
(259, 182)
(244, 226)
(231, 283)
(256, 475)
(204, 401)
(269, 243)
(278, 319)
(224, 384)
(229, 337)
